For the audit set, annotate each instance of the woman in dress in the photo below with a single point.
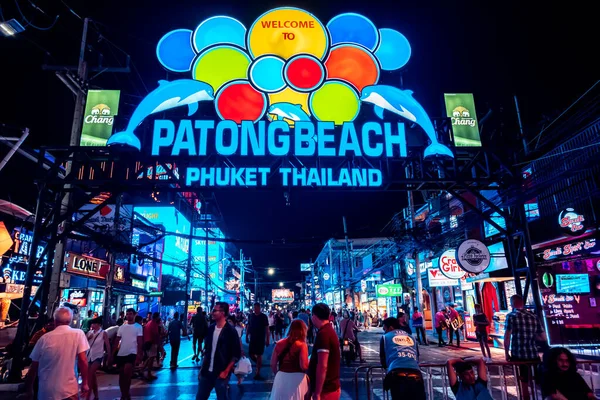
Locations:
(289, 363)
(98, 341)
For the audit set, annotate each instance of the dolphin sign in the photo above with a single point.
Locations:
(168, 95)
(292, 112)
(401, 103)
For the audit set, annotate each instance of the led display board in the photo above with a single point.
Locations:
(101, 107)
(460, 108)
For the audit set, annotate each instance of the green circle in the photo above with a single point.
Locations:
(335, 101)
(220, 65)
(547, 279)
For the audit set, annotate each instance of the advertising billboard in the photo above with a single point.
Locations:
(389, 290)
(460, 108)
(101, 107)
(282, 296)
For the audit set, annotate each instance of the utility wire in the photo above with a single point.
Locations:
(29, 23)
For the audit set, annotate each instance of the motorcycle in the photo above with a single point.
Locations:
(348, 351)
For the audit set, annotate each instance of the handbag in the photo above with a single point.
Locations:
(243, 367)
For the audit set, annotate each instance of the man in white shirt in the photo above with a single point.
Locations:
(130, 337)
(53, 360)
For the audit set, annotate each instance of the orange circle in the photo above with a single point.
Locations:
(352, 64)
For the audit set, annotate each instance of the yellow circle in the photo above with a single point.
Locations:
(285, 32)
(220, 65)
(289, 95)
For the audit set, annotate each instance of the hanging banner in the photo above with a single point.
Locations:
(101, 107)
(460, 108)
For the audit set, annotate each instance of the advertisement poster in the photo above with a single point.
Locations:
(460, 108)
(101, 108)
(282, 296)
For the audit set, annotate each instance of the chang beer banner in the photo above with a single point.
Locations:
(101, 108)
(460, 108)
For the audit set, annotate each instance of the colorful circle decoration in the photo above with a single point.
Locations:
(287, 56)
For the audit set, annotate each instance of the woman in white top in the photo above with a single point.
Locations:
(98, 340)
(289, 364)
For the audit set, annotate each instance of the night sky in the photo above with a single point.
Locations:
(541, 53)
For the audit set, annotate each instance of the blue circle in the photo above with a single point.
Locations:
(394, 50)
(219, 30)
(175, 52)
(353, 28)
(266, 73)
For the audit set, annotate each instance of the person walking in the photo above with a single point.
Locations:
(257, 335)
(199, 327)
(53, 358)
(324, 365)
(99, 342)
(522, 330)
(417, 318)
(289, 363)
(130, 338)
(278, 325)
(175, 332)
(399, 354)
(440, 326)
(271, 318)
(151, 345)
(222, 346)
(462, 379)
(85, 324)
(481, 325)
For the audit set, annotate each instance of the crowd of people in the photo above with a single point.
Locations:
(134, 345)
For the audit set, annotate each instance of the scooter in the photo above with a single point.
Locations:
(348, 351)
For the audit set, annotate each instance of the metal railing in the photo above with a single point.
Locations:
(503, 380)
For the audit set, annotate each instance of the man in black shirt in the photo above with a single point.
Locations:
(200, 327)
(324, 365)
(257, 335)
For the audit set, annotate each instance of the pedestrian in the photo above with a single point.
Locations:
(257, 335)
(454, 325)
(175, 331)
(234, 322)
(440, 326)
(324, 364)
(99, 342)
(481, 326)
(112, 339)
(199, 327)
(222, 346)
(403, 321)
(271, 318)
(130, 337)
(85, 324)
(289, 363)
(147, 319)
(151, 345)
(311, 329)
(350, 331)
(521, 332)
(278, 325)
(462, 379)
(560, 380)
(419, 328)
(399, 354)
(366, 320)
(53, 358)
(121, 319)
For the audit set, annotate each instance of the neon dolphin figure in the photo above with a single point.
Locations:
(168, 95)
(402, 103)
(293, 112)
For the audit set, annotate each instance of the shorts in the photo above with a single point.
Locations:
(152, 351)
(90, 362)
(481, 336)
(128, 359)
(524, 370)
(256, 348)
(272, 328)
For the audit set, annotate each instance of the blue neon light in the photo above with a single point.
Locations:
(393, 51)
(175, 52)
(219, 30)
(266, 73)
(353, 28)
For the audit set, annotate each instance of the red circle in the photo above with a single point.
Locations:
(240, 102)
(304, 73)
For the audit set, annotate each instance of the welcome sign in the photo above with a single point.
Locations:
(289, 85)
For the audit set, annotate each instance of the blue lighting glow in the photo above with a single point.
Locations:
(266, 73)
(219, 30)
(175, 52)
(393, 51)
(353, 28)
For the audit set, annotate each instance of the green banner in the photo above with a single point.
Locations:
(390, 290)
(101, 108)
(460, 108)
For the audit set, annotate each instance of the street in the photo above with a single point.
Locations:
(182, 384)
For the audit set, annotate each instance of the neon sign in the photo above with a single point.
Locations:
(288, 85)
(572, 222)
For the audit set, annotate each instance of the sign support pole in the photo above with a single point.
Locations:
(419, 284)
(188, 271)
(111, 270)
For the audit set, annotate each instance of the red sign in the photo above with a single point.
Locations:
(93, 267)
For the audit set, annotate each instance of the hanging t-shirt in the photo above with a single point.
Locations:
(216, 335)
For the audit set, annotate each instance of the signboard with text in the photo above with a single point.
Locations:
(282, 296)
(92, 267)
(389, 290)
(437, 279)
(460, 108)
(101, 107)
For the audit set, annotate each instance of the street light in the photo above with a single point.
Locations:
(271, 271)
(280, 284)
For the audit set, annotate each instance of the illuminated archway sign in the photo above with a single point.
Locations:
(289, 85)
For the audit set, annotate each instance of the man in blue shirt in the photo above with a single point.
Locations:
(399, 353)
